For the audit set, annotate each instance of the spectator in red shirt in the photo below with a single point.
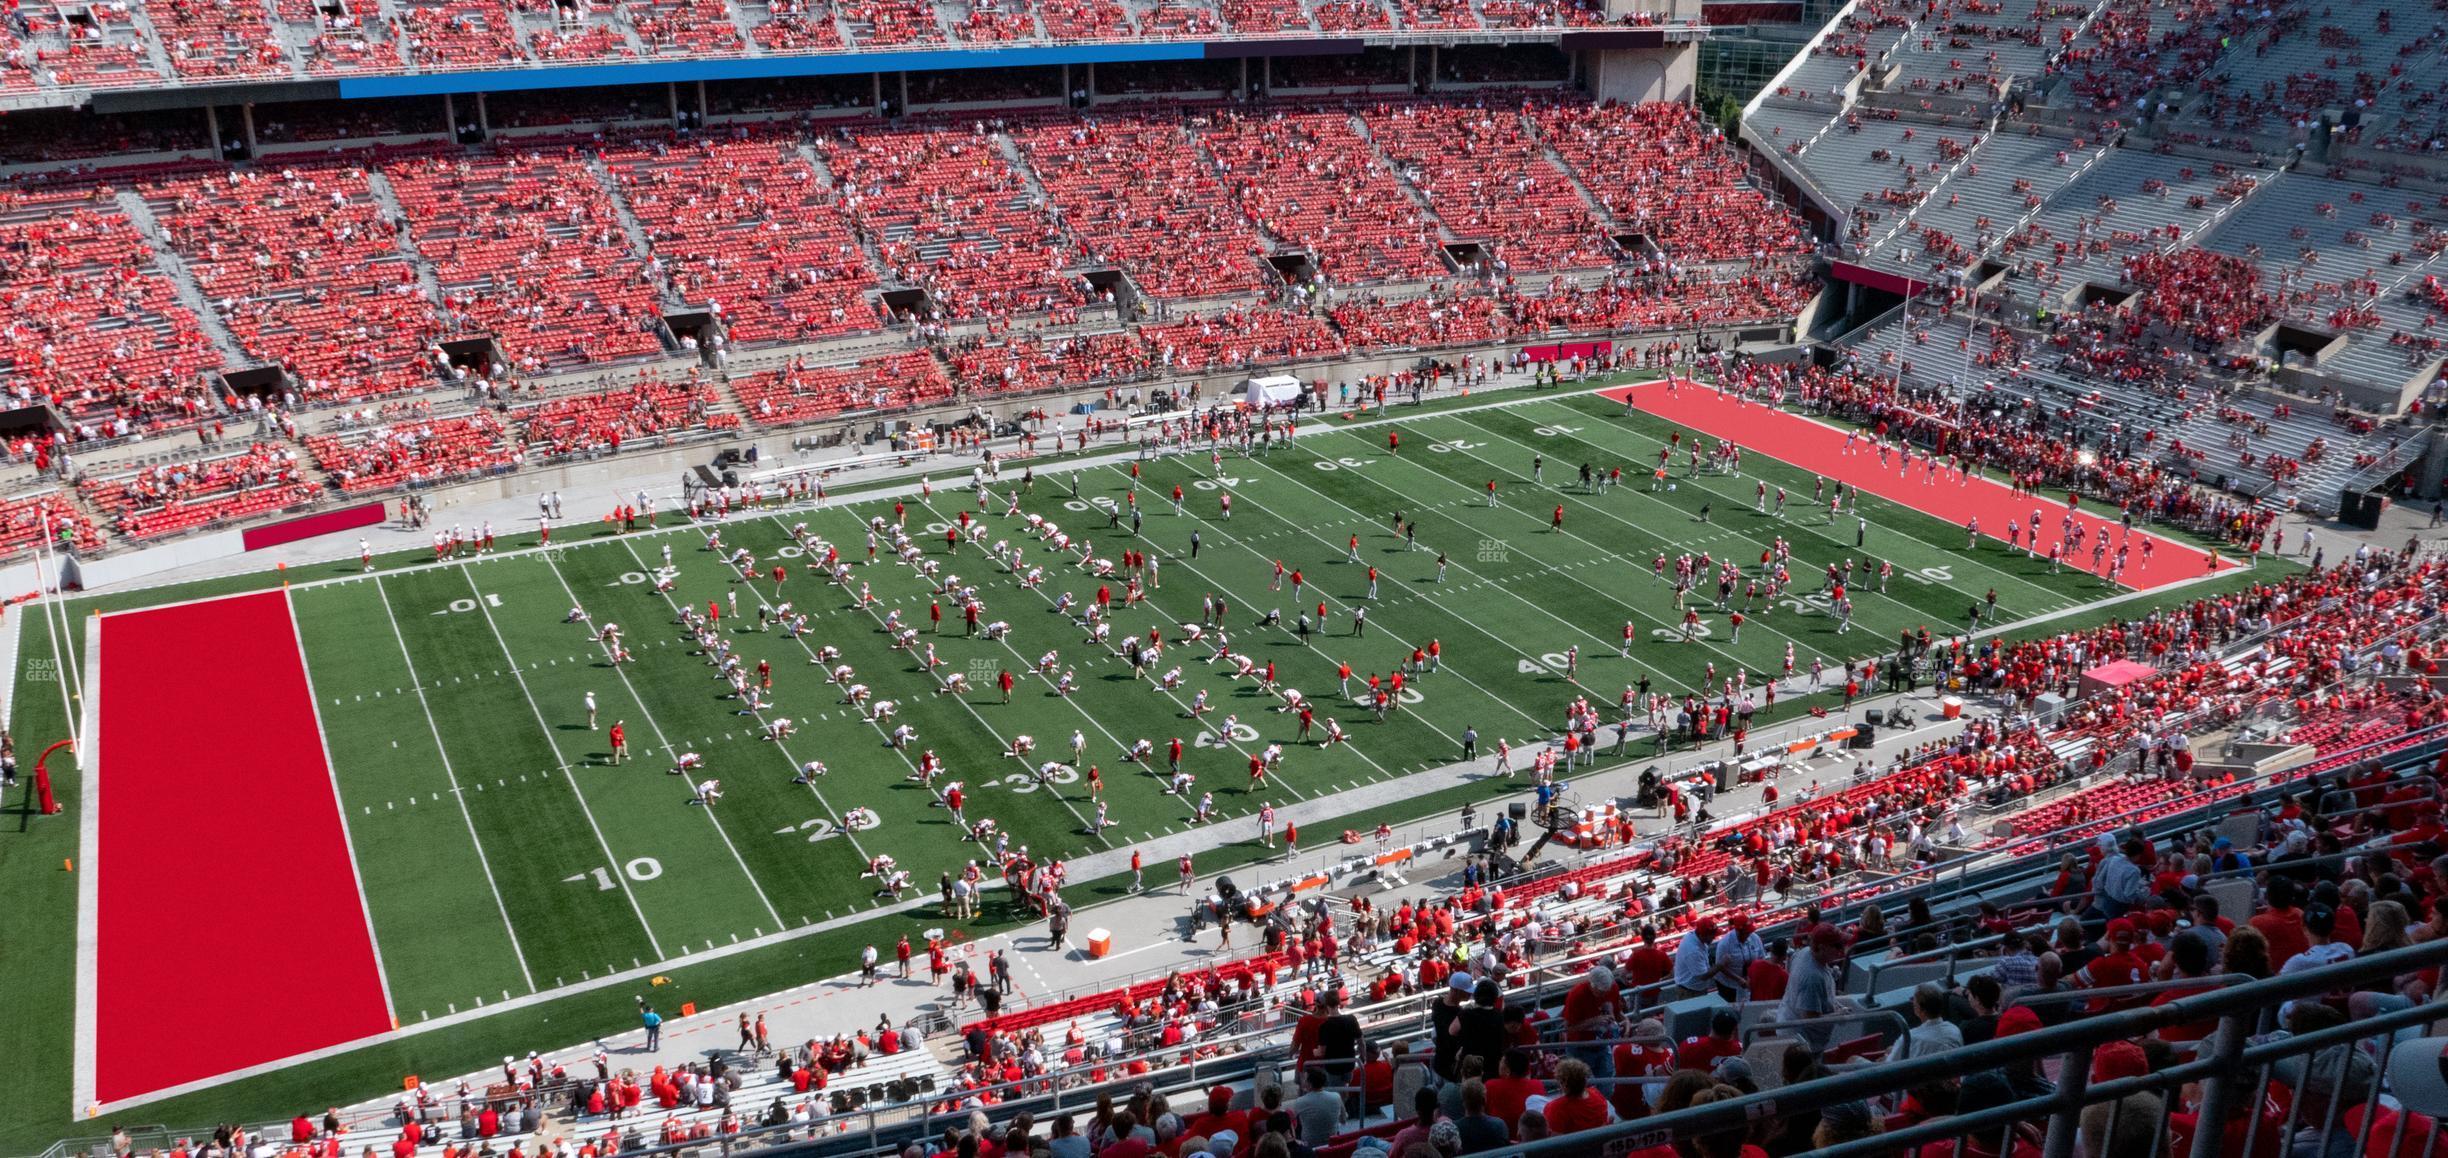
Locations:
(1765, 977)
(2282, 923)
(1510, 1093)
(1579, 1107)
(1701, 1053)
(1647, 965)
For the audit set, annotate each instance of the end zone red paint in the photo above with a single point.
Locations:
(230, 930)
(1819, 448)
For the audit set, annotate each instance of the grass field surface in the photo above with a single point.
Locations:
(504, 859)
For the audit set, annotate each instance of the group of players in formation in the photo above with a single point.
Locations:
(1037, 554)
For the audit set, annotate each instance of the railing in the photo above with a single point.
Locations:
(2234, 1073)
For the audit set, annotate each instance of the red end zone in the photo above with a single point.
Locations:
(1819, 448)
(227, 925)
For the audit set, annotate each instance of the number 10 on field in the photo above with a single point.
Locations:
(643, 869)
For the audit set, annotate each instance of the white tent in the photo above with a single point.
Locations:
(1273, 390)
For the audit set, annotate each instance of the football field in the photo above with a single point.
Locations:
(501, 856)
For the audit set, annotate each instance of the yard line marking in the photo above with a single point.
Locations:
(1093, 721)
(546, 727)
(348, 839)
(1223, 738)
(1517, 709)
(991, 730)
(1817, 530)
(847, 833)
(660, 738)
(1604, 644)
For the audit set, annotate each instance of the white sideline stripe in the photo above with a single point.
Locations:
(82, 1078)
(348, 839)
(610, 858)
(2227, 564)
(435, 726)
(12, 630)
(1799, 527)
(665, 742)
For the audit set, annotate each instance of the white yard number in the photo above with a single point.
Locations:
(466, 605)
(1811, 604)
(644, 868)
(816, 830)
(1934, 575)
(1078, 506)
(1341, 463)
(1215, 484)
(631, 578)
(1024, 782)
(1241, 734)
(784, 552)
(1553, 661)
(1456, 444)
(936, 530)
(1556, 431)
(1698, 631)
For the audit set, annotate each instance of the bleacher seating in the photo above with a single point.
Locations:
(305, 272)
(93, 328)
(950, 215)
(1139, 196)
(414, 453)
(798, 394)
(1488, 177)
(166, 500)
(603, 420)
(743, 224)
(528, 249)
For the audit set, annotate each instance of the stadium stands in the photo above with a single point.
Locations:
(743, 225)
(1831, 905)
(339, 303)
(94, 329)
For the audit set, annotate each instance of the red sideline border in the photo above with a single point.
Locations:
(309, 526)
(225, 824)
(1816, 446)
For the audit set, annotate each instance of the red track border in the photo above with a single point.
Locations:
(1819, 448)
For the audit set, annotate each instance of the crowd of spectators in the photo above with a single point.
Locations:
(306, 270)
(744, 226)
(2032, 447)
(1136, 194)
(1660, 170)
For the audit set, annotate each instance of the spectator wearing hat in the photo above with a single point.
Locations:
(1479, 1027)
(1219, 1116)
(1733, 955)
(1444, 1025)
(2117, 964)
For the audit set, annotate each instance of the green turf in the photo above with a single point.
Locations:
(504, 856)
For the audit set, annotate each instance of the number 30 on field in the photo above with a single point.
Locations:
(643, 869)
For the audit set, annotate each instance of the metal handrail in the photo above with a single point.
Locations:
(2076, 1038)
